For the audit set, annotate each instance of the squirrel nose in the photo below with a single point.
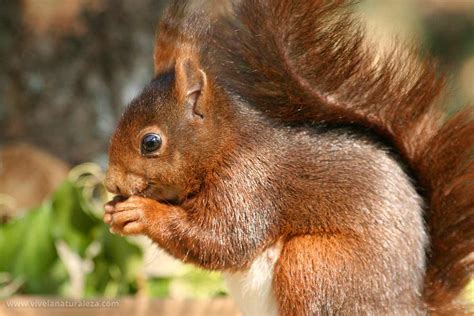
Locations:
(114, 181)
(111, 184)
(124, 184)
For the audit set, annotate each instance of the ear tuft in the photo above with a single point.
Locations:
(190, 83)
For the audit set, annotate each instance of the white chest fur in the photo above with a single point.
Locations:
(252, 289)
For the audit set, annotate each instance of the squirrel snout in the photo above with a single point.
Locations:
(124, 184)
(111, 186)
(111, 183)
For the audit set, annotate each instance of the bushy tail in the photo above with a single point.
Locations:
(305, 61)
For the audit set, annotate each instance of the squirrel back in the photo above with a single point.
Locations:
(305, 62)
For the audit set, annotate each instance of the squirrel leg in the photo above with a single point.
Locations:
(338, 275)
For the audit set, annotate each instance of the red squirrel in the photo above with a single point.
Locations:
(275, 146)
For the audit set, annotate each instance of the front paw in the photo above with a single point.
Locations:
(128, 217)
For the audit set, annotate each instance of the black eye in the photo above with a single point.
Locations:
(150, 143)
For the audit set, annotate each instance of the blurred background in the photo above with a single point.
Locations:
(67, 70)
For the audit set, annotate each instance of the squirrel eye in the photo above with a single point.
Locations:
(150, 143)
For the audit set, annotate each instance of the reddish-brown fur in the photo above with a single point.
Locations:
(246, 162)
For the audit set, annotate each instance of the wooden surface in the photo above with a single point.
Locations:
(35, 306)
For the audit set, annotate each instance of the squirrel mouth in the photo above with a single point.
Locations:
(163, 193)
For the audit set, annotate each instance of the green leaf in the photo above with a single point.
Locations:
(118, 250)
(158, 287)
(28, 250)
(73, 223)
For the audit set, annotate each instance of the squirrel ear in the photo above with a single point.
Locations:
(191, 85)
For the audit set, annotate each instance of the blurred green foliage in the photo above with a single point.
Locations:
(190, 282)
(31, 261)
(30, 256)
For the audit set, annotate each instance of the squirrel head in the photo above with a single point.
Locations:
(167, 136)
